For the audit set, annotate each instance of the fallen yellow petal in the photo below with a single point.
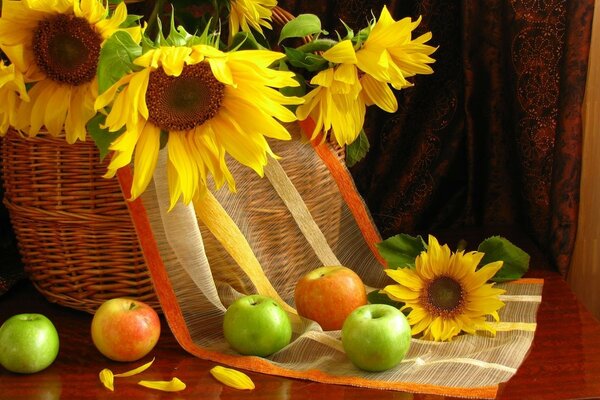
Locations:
(232, 378)
(174, 385)
(136, 370)
(107, 379)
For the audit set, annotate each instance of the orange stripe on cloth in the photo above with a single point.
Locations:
(348, 190)
(528, 281)
(176, 321)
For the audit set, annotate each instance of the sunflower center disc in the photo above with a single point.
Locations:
(445, 295)
(66, 48)
(179, 103)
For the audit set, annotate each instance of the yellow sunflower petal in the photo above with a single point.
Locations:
(172, 59)
(107, 379)
(483, 274)
(92, 10)
(54, 117)
(221, 71)
(420, 325)
(108, 26)
(368, 61)
(80, 111)
(250, 13)
(174, 385)
(262, 58)
(123, 146)
(186, 168)
(379, 93)
(400, 293)
(343, 53)
(254, 119)
(232, 378)
(436, 329)
(323, 78)
(40, 95)
(348, 74)
(485, 305)
(416, 315)
(146, 157)
(407, 277)
(137, 93)
(135, 371)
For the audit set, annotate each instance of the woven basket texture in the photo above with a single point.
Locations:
(74, 233)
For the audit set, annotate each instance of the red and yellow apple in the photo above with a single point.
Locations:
(328, 295)
(125, 329)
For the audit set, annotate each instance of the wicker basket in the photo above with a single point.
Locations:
(74, 232)
(73, 229)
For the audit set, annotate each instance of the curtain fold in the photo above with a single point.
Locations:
(584, 272)
(493, 137)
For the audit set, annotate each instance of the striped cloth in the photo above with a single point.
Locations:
(202, 258)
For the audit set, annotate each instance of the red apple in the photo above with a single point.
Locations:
(328, 295)
(125, 329)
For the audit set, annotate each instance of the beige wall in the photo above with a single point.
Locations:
(584, 274)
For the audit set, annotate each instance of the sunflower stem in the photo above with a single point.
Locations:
(154, 15)
(317, 45)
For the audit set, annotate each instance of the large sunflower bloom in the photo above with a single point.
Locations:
(390, 55)
(12, 91)
(246, 14)
(210, 103)
(56, 43)
(446, 293)
(335, 103)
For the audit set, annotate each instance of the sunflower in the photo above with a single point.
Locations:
(446, 292)
(359, 75)
(210, 103)
(390, 55)
(13, 91)
(56, 44)
(246, 14)
(335, 103)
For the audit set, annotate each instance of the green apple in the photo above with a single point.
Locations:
(256, 325)
(376, 337)
(28, 343)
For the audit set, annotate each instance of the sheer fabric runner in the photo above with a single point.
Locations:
(294, 223)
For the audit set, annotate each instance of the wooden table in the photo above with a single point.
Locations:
(564, 362)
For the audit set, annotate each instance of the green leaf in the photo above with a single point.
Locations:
(308, 61)
(101, 136)
(245, 41)
(516, 261)
(130, 21)
(116, 59)
(358, 149)
(401, 250)
(302, 25)
(376, 297)
(178, 36)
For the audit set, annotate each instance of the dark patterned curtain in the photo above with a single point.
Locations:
(493, 137)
